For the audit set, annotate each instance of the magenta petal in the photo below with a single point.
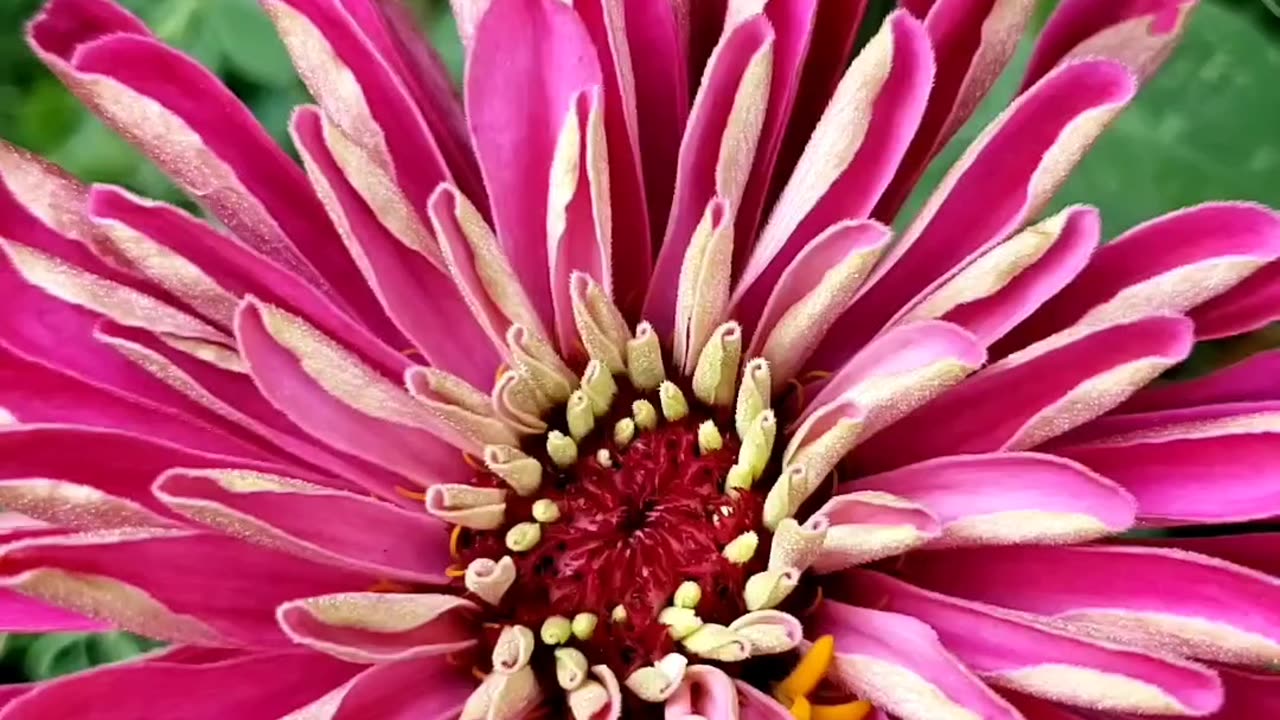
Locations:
(395, 691)
(1032, 397)
(1002, 179)
(895, 111)
(373, 627)
(417, 293)
(1167, 265)
(298, 517)
(1252, 304)
(204, 137)
(1015, 652)
(658, 39)
(22, 614)
(1140, 32)
(234, 266)
(700, 175)
(1196, 472)
(34, 393)
(793, 26)
(121, 465)
(974, 41)
(349, 37)
(344, 423)
(1164, 600)
(173, 585)
(240, 406)
(614, 38)
(1009, 498)
(1249, 696)
(531, 59)
(756, 705)
(160, 690)
(1258, 551)
(1254, 379)
(991, 317)
(897, 663)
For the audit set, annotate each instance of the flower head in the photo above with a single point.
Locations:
(613, 395)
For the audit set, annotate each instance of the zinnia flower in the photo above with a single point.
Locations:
(612, 396)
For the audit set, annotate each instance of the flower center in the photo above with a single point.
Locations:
(633, 522)
(629, 536)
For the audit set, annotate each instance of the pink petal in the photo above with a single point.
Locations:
(1164, 600)
(416, 292)
(756, 705)
(580, 213)
(1005, 177)
(1248, 306)
(236, 267)
(863, 527)
(1258, 551)
(888, 376)
(615, 41)
(34, 393)
(1032, 397)
(658, 38)
(1009, 498)
(120, 466)
(194, 128)
(897, 663)
(1197, 472)
(22, 614)
(305, 388)
(1141, 33)
(1167, 265)
(834, 31)
(394, 691)
(973, 41)
(395, 31)
(844, 245)
(237, 403)
(716, 152)
(332, 40)
(707, 692)
(380, 627)
(1014, 652)
(175, 585)
(530, 60)
(793, 26)
(1249, 696)
(325, 525)
(1253, 379)
(882, 94)
(160, 690)
(991, 317)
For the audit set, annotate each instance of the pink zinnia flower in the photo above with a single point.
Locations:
(686, 433)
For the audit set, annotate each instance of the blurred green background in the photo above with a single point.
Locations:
(1207, 127)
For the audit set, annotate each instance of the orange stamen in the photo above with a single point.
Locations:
(411, 494)
(809, 672)
(472, 463)
(453, 541)
(454, 571)
(478, 674)
(411, 352)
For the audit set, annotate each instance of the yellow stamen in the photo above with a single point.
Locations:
(645, 414)
(741, 549)
(546, 511)
(688, 595)
(624, 431)
(584, 625)
(411, 494)
(674, 406)
(556, 630)
(562, 449)
(580, 416)
(709, 437)
(523, 536)
(618, 614)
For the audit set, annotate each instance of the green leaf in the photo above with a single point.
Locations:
(248, 42)
(1203, 129)
(56, 654)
